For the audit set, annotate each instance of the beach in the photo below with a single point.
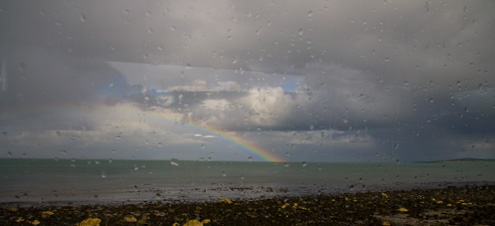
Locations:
(452, 205)
(119, 192)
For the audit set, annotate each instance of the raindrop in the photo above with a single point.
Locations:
(224, 174)
(114, 151)
(229, 37)
(286, 165)
(22, 67)
(10, 154)
(310, 14)
(174, 162)
(203, 146)
(304, 164)
(103, 174)
(386, 59)
(301, 32)
(173, 28)
(82, 18)
(396, 146)
(242, 177)
(250, 158)
(126, 11)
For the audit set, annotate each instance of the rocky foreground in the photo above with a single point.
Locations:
(468, 205)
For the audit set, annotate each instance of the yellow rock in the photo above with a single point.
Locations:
(130, 219)
(143, 220)
(403, 210)
(384, 196)
(193, 223)
(46, 214)
(385, 223)
(90, 222)
(206, 221)
(35, 222)
(225, 201)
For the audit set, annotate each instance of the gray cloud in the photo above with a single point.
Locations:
(408, 74)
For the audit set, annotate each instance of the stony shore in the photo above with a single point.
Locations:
(467, 205)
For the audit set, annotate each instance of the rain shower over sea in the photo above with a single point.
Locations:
(117, 181)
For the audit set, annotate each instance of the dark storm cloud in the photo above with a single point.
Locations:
(407, 72)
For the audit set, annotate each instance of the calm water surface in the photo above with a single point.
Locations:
(103, 181)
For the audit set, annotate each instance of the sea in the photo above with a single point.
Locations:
(73, 181)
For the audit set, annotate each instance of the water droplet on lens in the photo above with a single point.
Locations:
(22, 67)
(174, 162)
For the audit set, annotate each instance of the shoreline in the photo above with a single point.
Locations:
(466, 204)
(214, 192)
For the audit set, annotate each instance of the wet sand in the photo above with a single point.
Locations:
(466, 205)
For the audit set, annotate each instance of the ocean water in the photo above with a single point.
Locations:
(106, 181)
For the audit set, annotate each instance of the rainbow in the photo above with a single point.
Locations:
(256, 151)
(242, 143)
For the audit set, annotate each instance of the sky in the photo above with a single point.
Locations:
(334, 81)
